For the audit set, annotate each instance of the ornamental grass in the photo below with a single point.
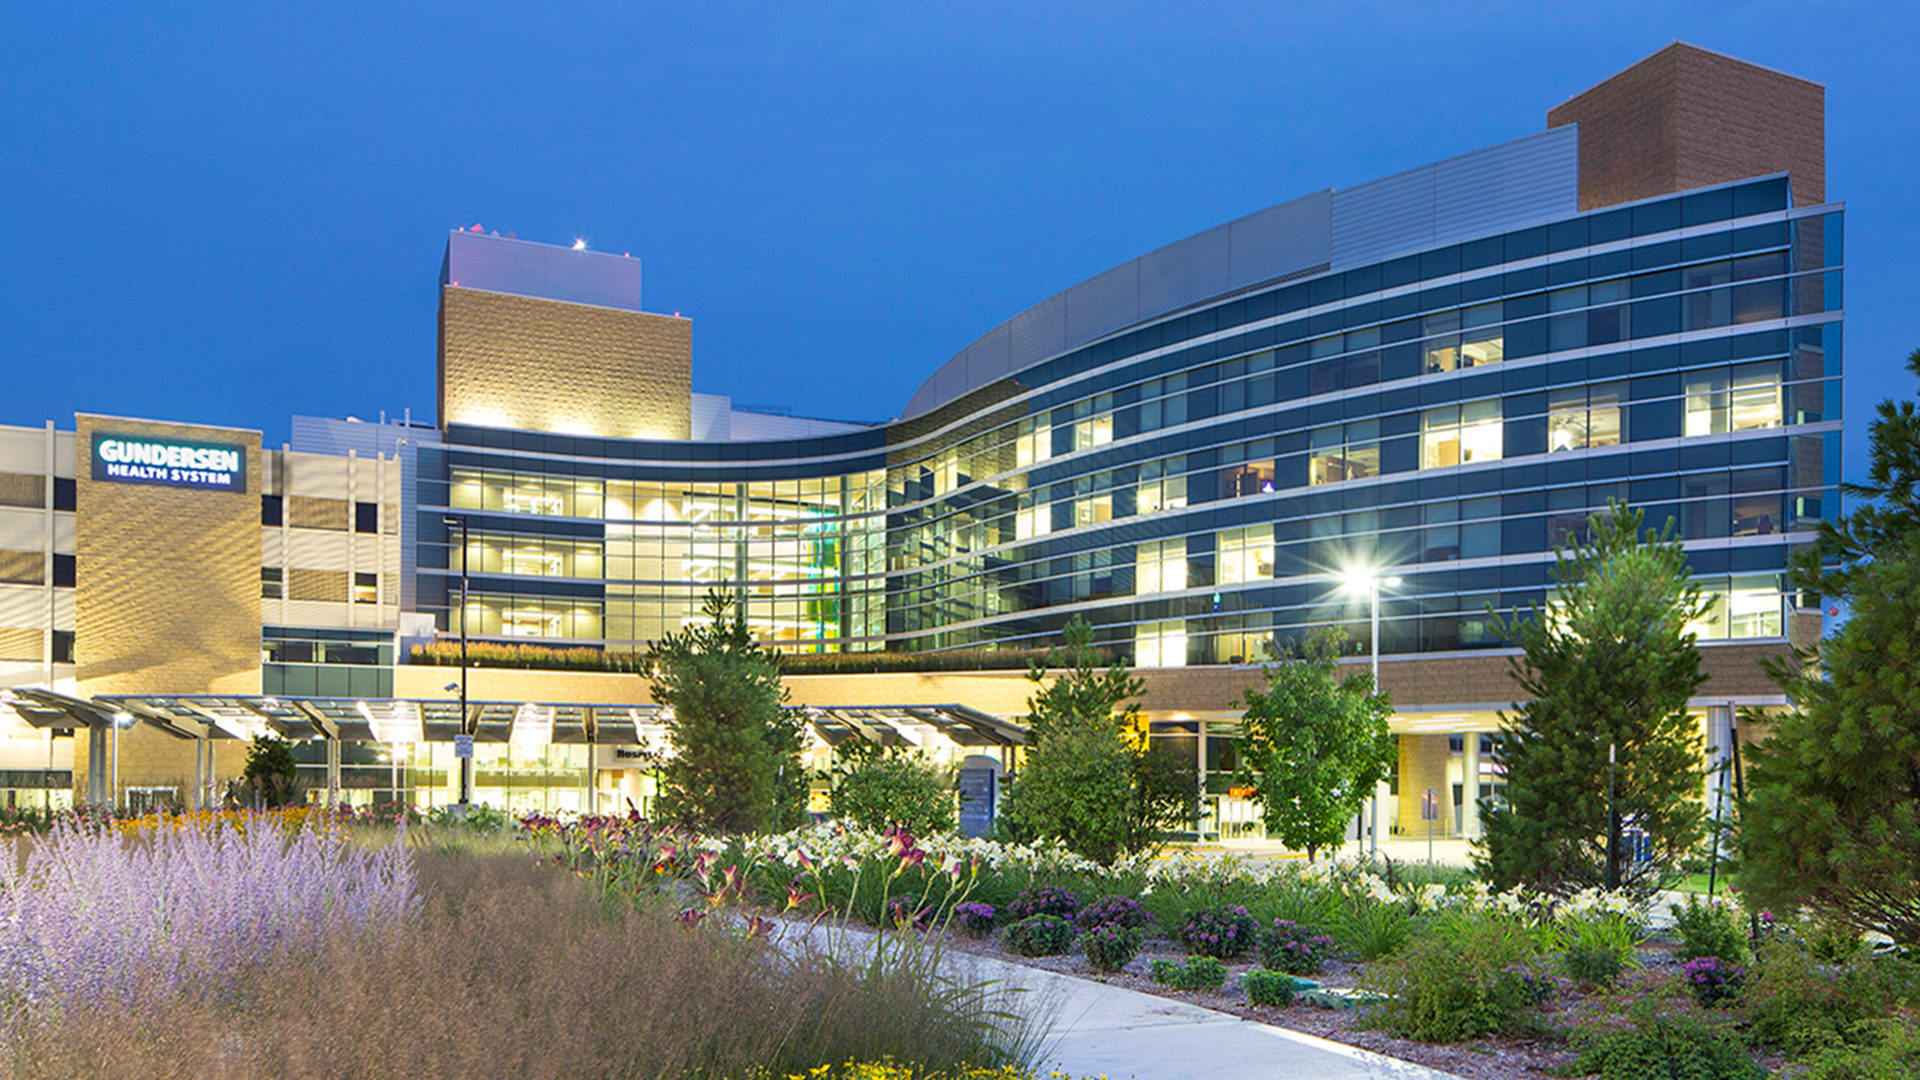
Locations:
(505, 967)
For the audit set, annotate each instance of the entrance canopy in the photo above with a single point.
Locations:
(244, 716)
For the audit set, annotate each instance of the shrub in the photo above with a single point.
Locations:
(1665, 1044)
(1590, 966)
(271, 777)
(875, 786)
(1298, 950)
(1222, 932)
(1040, 935)
(1887, 1049)
(1713, 980)
(975, 918)
(1198, 973)
(1795, 1005)
(1711, 929)
(1111, 947)
(1114, 911)
(1044, 900)
(1463, 982)
(1273, 988)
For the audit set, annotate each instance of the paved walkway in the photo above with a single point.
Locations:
(1103, 1030)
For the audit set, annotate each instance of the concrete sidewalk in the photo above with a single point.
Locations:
(1103, 1030)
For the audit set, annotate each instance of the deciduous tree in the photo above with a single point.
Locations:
(1314, 745)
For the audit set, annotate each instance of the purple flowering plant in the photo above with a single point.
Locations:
(1295, 949)
(1713, 981)
(974, 917)
(1222, 932)
(1114, 911)
(1044, 900)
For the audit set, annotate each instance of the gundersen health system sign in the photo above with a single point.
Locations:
(139, 459)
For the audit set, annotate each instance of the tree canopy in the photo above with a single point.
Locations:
(1832, 820)
(735, 765)
(1088, 778)
(1608, 667)
(1314, 745)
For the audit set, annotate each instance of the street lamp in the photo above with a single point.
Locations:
(465, 773)
(1369, 580)
(121, 719)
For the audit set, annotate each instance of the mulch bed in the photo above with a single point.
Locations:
(1546, 1057)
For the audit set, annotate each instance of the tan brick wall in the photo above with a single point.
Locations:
(544, 365)
(1417, 684)
(1685, 118)
(20, 643)
(329, 585)
(167, 596)
(23, 489)
(307, 512)
(1423, 765)
(23, 567)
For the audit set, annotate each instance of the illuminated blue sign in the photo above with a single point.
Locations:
(138, 459)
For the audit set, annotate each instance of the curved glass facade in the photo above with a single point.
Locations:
(1200, 483)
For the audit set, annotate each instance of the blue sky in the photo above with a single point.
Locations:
(230, 214)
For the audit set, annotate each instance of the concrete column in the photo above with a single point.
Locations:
(333, 772)
(1382, 817)
(1200, 761)
(1470, 785)
(1423, 765)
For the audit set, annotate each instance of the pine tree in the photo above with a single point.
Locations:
(1832, 820)
(1314, 745)
(735, 765)
(1608, 668)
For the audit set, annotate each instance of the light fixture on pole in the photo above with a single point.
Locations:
(466, 770)
(1369, 580)
(121, 719)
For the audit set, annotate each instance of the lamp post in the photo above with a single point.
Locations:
(465, 763)
(121, 719)
(1369, 580)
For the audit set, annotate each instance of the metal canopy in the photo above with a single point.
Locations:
(227, 716)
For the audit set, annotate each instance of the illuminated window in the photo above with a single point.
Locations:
(1344, 452)
(1160, 566)
(1093, 510)
(1745, 606)
(1460, 434)
(366, 588)
(271, 585)
(1032, 521)
(1740, 399)
(1161, 486)
(1033, 442)
(1095, 431)
(1579, 417)
(1246, 478)
(1161, 644)
(1244, 555)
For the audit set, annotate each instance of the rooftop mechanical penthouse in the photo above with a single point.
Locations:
(1437, 376)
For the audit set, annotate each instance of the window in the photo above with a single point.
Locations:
(1579, 417)
(1467, 338)
(1033, 442)
(1244, 555)
(1744, 606)
(1096, 431)
(1031, 521)
(1246, 478)
(63, 646)
(1093, 510)
(1161, 486)
(64, 495)
(271, 585)
(1161, 644)
(1157, 411)
(1736, 399)
(63, 571)
(1460, 434)
(1345, 452)
(366, 517)
(271, 510)
(1160, 566)
(366, 588)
